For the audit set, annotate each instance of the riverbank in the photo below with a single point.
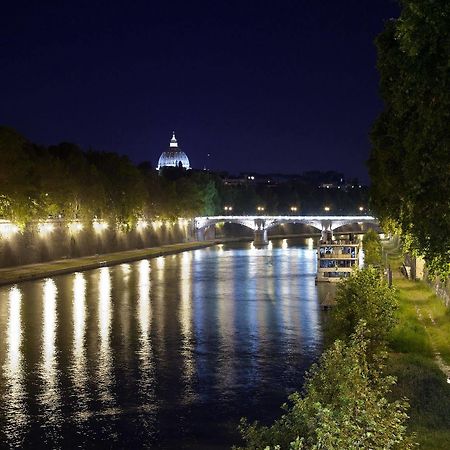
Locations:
(17, 274)
(11, 275)
(420, 359)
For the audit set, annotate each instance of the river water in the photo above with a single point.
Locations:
(161, 353)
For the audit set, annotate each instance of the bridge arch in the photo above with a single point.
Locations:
(261, 224)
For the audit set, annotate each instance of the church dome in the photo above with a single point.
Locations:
(173, 157)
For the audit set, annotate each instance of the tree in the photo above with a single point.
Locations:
(410, 160)
(372, 248)
(365, 296)
(18, 194)
(344, 406)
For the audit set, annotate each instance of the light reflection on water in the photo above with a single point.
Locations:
(168, 352)
(49, 396)
(14, 400)
(79, 360)
(105, 374)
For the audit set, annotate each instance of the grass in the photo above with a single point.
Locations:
(413, 345)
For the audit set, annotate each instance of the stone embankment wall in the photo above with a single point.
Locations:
(59, 241)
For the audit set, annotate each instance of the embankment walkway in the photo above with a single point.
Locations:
(10, 275)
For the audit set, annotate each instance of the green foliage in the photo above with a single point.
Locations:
(373, 252)
(410, 160)
(365, 296)
(344, 406)
(62, 180)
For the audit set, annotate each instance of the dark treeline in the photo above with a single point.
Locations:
(38, 182)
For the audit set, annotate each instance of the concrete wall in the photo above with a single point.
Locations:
(32, 246)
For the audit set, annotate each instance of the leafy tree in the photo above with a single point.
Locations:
(410, 160)
(344, 406)
(372, 248)
(18, 195)
(365, 296)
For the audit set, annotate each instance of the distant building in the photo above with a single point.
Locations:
(173, 157)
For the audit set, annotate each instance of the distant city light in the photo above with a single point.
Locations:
(46, 228)
(326, 208)
(99, 226)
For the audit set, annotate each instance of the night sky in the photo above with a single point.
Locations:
(265, 86)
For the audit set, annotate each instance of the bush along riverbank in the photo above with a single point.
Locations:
(349, 400)
(419, 357)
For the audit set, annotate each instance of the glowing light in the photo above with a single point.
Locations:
(14, 336)
(104, 326)
(294, 208)
(75, 227)
(49, 330)
(144, 315)
(228, 208)
(284, 244)
(14, 393)
(160, 261)
(50, 397)
(79, 314)
(310, 243)
(326, 208)
(260, 208)
(142, 224)
(99, 226)
(46, 228)
(361, 208)
(7, 229)
(79, 362)
(144, 300)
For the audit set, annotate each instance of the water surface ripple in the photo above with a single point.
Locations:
(161, 353)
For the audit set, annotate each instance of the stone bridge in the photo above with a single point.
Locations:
(261, 224)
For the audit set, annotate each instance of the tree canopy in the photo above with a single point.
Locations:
(410, 160)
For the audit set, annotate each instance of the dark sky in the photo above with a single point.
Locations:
(268, 86)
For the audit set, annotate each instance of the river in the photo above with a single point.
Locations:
(161, 353)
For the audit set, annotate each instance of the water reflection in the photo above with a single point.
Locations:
(142, 353)
(105, 374)
(79, 363)
(14, 400)
(50, 396)
(144, 319)
(185, 318)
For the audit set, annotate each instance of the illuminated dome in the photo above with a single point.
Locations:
(173, 157)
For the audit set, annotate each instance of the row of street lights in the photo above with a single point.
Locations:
(293, 209)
